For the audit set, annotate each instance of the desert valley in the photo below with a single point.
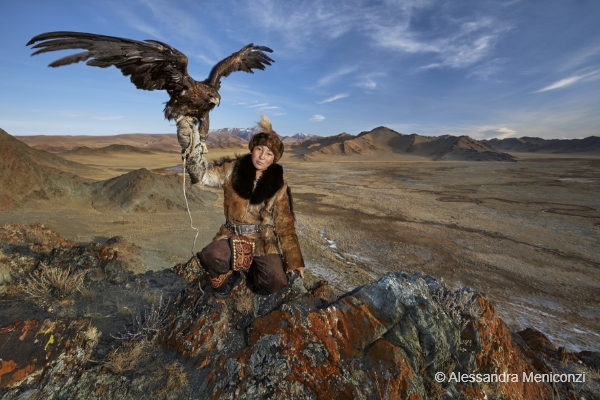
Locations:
(517, 220)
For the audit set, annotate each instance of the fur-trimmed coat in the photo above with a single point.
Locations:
(267, 203)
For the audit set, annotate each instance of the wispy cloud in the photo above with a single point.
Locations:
(206, 60)
(460, 45)
(163, 21)
(495, 133)
(334, 98)
(327, 79)
(302, 23)
(570, 81)
(265, 108)
(367, 81)
(582, 56)
(133, 19)
(317, 118)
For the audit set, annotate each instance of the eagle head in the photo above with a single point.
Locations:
(215, 100)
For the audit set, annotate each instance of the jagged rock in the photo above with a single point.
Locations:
(387, 339)
(31, 348)
(26, 249)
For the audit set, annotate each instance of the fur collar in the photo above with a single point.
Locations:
(244, 173)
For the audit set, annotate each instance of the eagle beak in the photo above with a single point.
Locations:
(216, 101)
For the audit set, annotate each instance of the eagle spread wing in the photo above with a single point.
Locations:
(153, 65)
(248, 57)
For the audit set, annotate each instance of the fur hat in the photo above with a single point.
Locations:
(268, 137)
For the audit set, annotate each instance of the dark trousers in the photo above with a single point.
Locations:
(266, 272)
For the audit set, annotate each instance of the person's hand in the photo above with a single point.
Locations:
(301, 272)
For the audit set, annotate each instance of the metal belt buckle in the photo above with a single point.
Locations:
(244, 229)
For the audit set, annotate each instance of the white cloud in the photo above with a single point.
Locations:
(206, 60)
(317, 118)
(327, 79)
(302, 23)
(462, 45)
(161, 20)
(334, 98)
(571, 80)
(265, 108)
(582, 56)
(367, 81)
(497, 133)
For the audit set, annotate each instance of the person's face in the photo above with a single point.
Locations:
(262, 157)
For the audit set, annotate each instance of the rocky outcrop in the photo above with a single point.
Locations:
(395, 338)
(402, 337)
(30, 348)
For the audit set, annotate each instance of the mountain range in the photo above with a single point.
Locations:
(384, 143)
(379, 142)
(224, 138)
(588, 145)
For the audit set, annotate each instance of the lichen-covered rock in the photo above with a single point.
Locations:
(390, 339)
(29, 248)
(387, 339)
(30, 348)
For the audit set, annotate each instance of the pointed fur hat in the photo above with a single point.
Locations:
(267, 137)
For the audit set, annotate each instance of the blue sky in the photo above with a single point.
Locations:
(484, 68)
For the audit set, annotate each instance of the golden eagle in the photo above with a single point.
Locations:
(153, 65)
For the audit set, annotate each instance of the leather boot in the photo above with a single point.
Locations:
(224, 291)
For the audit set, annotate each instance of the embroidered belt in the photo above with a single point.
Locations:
(245, 229)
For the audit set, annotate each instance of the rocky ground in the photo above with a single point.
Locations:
(80, 324)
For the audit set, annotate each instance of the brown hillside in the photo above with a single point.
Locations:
(589, 145)
(57, 144)
(29, 174)
(226, 140)
(108, 150)
(144, 191)
(388, 144)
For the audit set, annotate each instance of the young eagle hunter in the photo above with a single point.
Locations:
(259, 235)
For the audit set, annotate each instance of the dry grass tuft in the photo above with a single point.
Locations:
(148, 324)
(128, 356)
(177, 380)
(54, 283)
(139, 345)
(244, 303)
(36, 235)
